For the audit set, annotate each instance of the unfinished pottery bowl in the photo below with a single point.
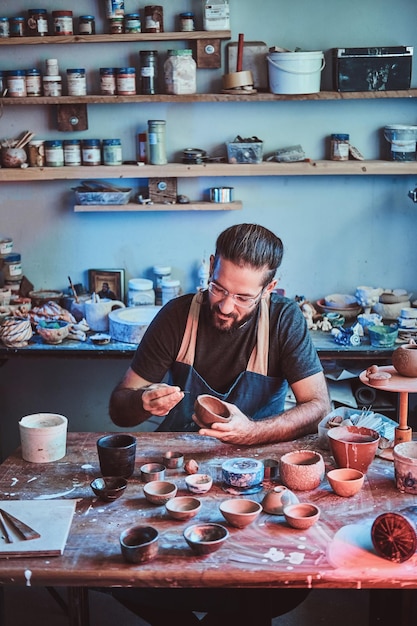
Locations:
(240, 512)
(183, 507)
(353, 446)
(159, 491)
(205, 538)
(301, 515)
(139, 543)
(277, 498)
(109, 488)
(346, 482)
(53, 332)
(302, 470)
(172, 459)
(199, 483)
(209, 410)
(404, 359)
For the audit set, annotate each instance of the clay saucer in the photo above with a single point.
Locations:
(210, 409)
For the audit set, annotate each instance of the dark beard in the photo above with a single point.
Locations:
(235, 325)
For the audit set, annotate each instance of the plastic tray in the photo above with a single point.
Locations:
(103, 197)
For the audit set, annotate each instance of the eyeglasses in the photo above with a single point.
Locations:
(245, 302)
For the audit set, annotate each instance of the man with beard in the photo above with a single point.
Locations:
(243, 343)
(239, 341)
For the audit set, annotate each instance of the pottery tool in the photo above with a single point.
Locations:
(4, 530)
(25, 138)
(25, 531)
(241, 80)
(76, 298)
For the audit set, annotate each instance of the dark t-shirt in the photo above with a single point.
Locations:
(221, 356)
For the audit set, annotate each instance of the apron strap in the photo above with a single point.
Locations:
(258, 362)
(187, 350)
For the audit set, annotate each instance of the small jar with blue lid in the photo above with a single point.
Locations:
(72, 152)
(186, 21)
(132, 23)
(91, 152)
(16, 84)
(112, 152)
(76, 82)
(86, 25)
(17, 26)
(54, 153)
(4, 27)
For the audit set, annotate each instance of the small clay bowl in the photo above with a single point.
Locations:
(301, 470)
(152, 471)
(277, 498)
(159, 491)
(108, 488)
(199, 483)
(173, 460)
(139, 544)
(240, 512)
(205, 538)
(301, 515)
(183, 508)
(53, 332)
(209, 410)
(345, 482)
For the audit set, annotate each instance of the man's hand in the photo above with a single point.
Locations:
(160, 398)
(239, 430)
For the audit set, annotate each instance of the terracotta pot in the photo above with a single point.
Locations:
(353, 446)
(404, 359)
(301, 470)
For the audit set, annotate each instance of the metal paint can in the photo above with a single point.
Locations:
(221, 194)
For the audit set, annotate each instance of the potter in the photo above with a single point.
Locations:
(97, 313)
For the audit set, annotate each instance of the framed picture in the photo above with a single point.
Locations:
(107, 283)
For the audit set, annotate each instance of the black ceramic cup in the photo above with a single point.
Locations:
(116, 454)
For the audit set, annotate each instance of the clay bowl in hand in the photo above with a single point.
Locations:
(205, 538)
(301, 470)
(159, 491)
(240, 512)
(108, 488)
(209, 410)
(183, 507)
(301, 515)
(345, 482)
(353, 446)
(199, 483)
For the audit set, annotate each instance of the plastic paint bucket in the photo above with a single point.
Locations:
(43, 437)
(295, 72)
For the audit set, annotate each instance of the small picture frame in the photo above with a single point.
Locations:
(107, 283)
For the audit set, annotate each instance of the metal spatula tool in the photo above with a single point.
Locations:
(25, 531)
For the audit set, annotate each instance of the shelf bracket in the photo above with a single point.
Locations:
(72, 117)
(208, 54)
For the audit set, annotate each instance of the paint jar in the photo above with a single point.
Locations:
(154, 19)
(36, 153)
(142, 148)
(17, 26)
(148, 72)
(108, 81)
(339, 147)
(86, 25)
(72, 152)
(76, 82)
(12, 266)
(116, 25)
(171, 289)
(33, 83)
(216, 15)
(180, 71)
(52, 85)
(6, 246)
(112, 152)
(156, 147)
(54, 153)
(132, 23)
(114, 8)
(186, 21)
(161, 272)
(126, 81)
(140, 292)
(16, 84)
(91, 153)
(4, 27)
(37, 22)
(62, 23)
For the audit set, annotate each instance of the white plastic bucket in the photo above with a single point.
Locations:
(43, 437)
(295, 72)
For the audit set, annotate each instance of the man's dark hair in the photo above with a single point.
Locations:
(253, 245)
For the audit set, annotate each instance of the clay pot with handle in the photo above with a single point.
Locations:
(404, 359)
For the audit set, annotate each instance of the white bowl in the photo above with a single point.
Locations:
(198, 483)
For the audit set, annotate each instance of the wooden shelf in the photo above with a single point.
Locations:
(191, 206)
(210, 97)
(180, 170)
(108, 38)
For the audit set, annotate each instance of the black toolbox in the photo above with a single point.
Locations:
(372, 69)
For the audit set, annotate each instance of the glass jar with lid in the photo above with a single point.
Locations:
(180, 71)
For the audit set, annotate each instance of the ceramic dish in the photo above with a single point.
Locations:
(205, 538)
(183, 507)
(348, 312)
(108, 488)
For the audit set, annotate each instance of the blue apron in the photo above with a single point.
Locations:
(255, 393)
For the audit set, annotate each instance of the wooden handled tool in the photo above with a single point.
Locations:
(25, 531)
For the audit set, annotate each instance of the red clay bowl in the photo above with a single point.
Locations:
(353, 446)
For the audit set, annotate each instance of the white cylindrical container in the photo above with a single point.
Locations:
(295, 72)
(180, 72)
(171, 289)
(161, 272)
(216, 15)
(43, 437)
(76, 82)
(51, 67)
(52, 85)
(140, 292)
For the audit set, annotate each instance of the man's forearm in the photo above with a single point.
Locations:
(126, 407)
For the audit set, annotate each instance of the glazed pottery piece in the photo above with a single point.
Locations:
(183, 507)
(205, 538)
(353, 446)
(404, 359)
(159, 491)
(53, 332)
(277, 498)
(301, 515)
(173, 460)
(209, 410)
(302, 470)
(152, 471)
(240, 512)
(199, 483)
(243, 473)
(345, 482)
(139, 544)
(405, 466)
(109, 488)
(116, 454)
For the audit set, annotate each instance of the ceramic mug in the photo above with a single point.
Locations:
(97, 313)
